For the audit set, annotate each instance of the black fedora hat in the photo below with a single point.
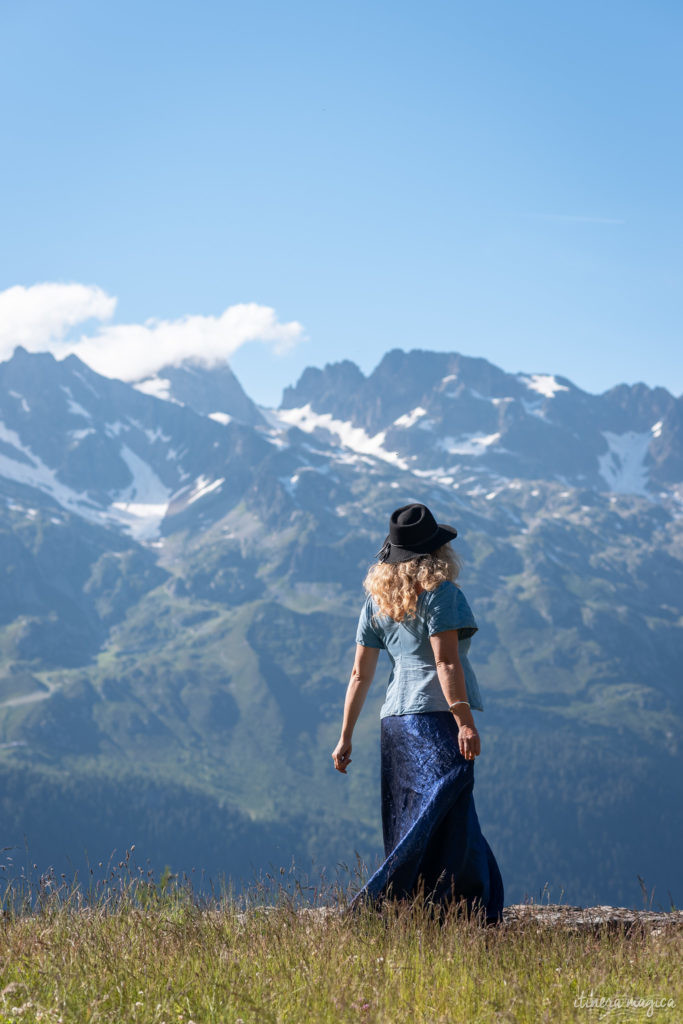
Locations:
(413, 531)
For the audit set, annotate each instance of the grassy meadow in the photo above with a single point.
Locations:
(130, 948)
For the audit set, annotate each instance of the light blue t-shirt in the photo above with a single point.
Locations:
(414, 683)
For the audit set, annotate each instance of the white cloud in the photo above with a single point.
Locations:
(40, 316)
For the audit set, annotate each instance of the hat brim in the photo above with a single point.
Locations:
(399, 554)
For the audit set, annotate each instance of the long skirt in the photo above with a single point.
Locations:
(432, 836)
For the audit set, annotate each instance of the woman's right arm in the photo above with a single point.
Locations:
(362, 674)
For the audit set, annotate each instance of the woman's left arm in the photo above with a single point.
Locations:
(452, 679)
(362, 674)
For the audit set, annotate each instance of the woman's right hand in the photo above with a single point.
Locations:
(469, 742)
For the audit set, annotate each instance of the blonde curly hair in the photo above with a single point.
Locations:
(392, 585)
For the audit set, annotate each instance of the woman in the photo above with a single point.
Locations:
(416, 612)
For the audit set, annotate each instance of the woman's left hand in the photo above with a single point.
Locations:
(469, 742)
(341, 755)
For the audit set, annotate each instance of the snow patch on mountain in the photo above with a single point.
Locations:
(20, 398)
(202, 486)
(155, 435)
(410, 418)
(534, 408)
(545, 383)
(142, 505)
(289, 483)
(271, 416)
(221, 417)
(351, 437)
(157, 387)
(74, 408)
(84, 380)
(114, 429)
(469, 444)
(622, 467)
(477, 394)
(30, 470)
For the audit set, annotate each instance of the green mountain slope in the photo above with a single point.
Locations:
(228, 697)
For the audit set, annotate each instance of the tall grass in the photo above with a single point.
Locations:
(128, 947)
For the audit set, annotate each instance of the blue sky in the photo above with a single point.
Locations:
(500, 179)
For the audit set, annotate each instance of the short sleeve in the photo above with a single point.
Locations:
(367, 634)
(447, 608)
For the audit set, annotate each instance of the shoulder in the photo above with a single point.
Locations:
(371, 614)
(448, 608)
(446, 593)
(447, 587)
(369, 607)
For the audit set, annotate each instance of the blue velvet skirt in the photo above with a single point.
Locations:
(431, 830)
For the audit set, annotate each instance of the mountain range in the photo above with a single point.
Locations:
(181, 579)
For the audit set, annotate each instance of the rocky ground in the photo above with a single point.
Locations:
(571, 918)
(579, 918)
